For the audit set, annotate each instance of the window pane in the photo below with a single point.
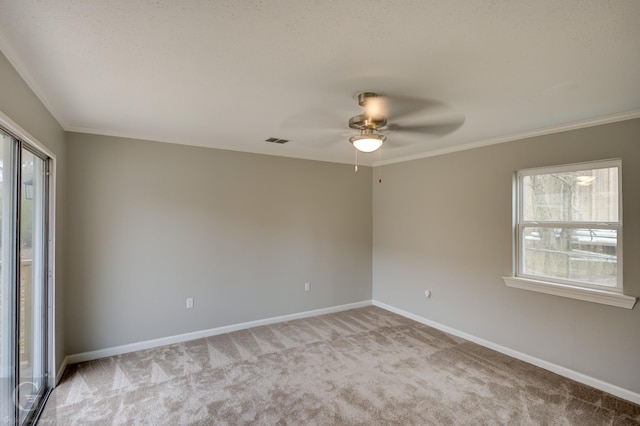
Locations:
(580, 196)
(585, 255)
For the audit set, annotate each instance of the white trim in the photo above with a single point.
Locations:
(574, 125)
(590, 122)
(60, 372)
(19, 133)
(51, 267)
(572, 167)
(572, 292)
(558, 369)
(267, 149)
(23, 72)
(148, 344)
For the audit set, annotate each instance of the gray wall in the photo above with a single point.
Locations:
(21, 105)
(152, 224)
(444, 223)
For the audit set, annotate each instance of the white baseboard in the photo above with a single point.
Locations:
(148, 344)
(63, 367)
(563, 371)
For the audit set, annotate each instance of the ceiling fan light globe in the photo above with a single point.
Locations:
(369, 143)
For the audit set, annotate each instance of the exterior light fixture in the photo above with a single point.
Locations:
(585, 180)
(28, 189)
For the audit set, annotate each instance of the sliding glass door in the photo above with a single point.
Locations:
(24, 295)
(8, 287)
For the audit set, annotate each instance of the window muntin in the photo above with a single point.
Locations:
(569, 225)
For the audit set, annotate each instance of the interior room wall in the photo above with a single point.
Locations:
(22, 106)
(444, 224)
(153, 224)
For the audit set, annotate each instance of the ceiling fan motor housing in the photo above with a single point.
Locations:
(363, 96)
(366, 121)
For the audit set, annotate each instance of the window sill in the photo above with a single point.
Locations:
(588, 294)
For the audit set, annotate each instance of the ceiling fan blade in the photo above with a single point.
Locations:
(398, 107)
(324, 143)
(314, 120)
(396, 142)
(316, 138)
(436, 129)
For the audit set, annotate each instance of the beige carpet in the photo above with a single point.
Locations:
(360, 367)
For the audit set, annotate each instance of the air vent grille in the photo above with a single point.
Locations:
(276, 140)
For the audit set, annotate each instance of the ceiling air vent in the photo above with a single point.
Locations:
(276, 140)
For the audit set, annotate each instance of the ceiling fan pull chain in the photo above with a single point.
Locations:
(356, 160)
(379, 166)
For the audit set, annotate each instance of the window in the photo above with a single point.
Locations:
(568, 232)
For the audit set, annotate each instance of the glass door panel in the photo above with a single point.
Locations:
(8, 374)
(32, 284)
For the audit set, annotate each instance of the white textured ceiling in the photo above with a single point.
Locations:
(230, 74)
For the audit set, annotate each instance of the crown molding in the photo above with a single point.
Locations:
(574, 125)
(13, 58)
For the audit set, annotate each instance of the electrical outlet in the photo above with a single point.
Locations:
(306, 286)
(189, 302)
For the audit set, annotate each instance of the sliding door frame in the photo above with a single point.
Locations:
(39, 276)
(30, 144)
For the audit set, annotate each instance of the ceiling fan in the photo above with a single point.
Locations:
(384, 114)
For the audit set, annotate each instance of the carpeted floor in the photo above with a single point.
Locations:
(365, 366)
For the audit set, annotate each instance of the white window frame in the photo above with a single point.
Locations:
(613, 296)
